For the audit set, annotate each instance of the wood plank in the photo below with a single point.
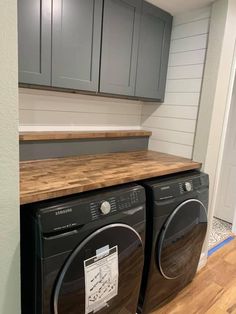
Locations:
(193, 301)
(184, 125)
(215, 310)
(212, 291)
(184, 85)
(192, 15)
(190, 29)
(171, 148)
(189, 43)
(187, 58)
(69, 135)
(185, 72)
(230, 258)
(172, 136)
(176, 112)
(221, 278)
(227, 302)
(50, 178)
(182, 99)
(66, 119)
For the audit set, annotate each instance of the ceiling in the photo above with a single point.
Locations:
(177, 6)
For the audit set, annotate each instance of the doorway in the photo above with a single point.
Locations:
(224, 220)
(226, 195)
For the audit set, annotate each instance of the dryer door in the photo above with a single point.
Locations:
(181, 239)
(102, 274)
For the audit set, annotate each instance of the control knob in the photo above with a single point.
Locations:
(187, 186)
(105, 208)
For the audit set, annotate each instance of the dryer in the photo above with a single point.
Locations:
(84, 254)
(176, 229)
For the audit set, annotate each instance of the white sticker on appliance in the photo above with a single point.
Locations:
(103, 251)
(101, 279)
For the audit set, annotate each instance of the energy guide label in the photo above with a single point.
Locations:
(101, 279)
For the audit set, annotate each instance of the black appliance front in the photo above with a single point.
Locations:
(81, 260)
(177, 212)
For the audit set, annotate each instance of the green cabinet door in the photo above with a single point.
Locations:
(153, 52)
(121, 22)
(76, 38)
(118, 47)
(34, 41)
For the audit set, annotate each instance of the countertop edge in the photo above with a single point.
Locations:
(42, 196)
(76, 135)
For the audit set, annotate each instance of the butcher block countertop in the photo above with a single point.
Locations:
(51, 178)
(74, 135)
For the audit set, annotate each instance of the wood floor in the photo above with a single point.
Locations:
(213, 291)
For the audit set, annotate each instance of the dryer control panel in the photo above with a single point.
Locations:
(186, 186)
(179, 185)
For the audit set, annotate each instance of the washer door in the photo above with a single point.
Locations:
(181, 239)
(102, 274)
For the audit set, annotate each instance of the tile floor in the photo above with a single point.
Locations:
(221, 230)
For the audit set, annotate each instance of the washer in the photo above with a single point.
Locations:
(176, 229)
(84, 254)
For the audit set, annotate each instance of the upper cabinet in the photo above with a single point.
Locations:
(76, 38)
(121, 23)
(118, 47)
(34, 41)
(153, 52)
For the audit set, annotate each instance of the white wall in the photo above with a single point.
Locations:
(216, 35)
(225, 205)
(173, 123)
(50, 110)
(214, 100)
(9, 194)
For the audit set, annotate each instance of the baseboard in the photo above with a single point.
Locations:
(202, 261)
(220, 245)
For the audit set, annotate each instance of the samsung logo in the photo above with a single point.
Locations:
(167, 187)
(63, 211)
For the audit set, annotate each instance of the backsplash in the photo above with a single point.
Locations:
(173, 123)
(42, 110)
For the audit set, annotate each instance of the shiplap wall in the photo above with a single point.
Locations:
(173, 123)
(50, 110)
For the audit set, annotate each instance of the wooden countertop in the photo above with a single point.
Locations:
(50, 178)
(72, 135)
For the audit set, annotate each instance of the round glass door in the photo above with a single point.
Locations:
(102, 274)
(181, 239)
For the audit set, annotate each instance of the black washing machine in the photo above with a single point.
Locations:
(176, 229)
(84, 254)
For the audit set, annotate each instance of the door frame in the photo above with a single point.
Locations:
(223, 137)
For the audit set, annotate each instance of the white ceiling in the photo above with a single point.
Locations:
(178, 6)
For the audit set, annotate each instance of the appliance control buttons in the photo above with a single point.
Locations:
(105, 208)
(187, 186)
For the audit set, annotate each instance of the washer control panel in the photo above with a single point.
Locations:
(72, 212)
(102, 207)
(186, 186)
(105, 208)
(127, 201)
(110, 205)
